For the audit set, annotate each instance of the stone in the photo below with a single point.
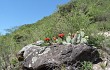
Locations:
(52, 58)
(97, 67)
(39, 42)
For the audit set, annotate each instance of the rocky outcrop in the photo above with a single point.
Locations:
(55, 56)
(105, 63)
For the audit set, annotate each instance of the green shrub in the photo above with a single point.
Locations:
(96, 40)
(106, 42)
(86, 65)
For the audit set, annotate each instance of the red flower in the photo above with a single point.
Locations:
(61, 35)
(47, 39)
(54, 38)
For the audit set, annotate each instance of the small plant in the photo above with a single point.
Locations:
(47, 40)
(59, 41)
(54, 39)
(63, 67)
(60, 38)
(14, 62)
(86, 65)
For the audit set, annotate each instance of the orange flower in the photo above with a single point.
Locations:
(61, 35)
(47, 39)
(54, 38)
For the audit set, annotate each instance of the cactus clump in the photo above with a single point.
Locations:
(79, 37)
(74, 39)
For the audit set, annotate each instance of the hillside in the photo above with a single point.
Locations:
(91, 15)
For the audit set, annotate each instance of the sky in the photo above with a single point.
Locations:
(19, 12)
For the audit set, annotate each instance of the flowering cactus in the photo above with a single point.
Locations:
(47, 39)
(75, 39)
(61, 35)
(54, 38)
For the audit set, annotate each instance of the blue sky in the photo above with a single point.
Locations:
(18, 12)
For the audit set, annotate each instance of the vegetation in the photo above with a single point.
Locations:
(91, 15)
(86, 65)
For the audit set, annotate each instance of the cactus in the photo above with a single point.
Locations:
(83, 40)
(82, 33)
(74, 39)
(59, 41)
(79, 38)
(68, 38)
(64, 42)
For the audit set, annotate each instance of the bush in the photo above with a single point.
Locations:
(96, 40)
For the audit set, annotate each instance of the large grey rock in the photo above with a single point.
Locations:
(56, 56)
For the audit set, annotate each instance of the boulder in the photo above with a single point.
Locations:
(56, 57)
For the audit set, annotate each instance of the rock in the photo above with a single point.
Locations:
(39, 42)
(97, 67)
(65, 43)
(52, 58)
(106, 49)
(105, 63)
(25, 51)
(101, 66)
